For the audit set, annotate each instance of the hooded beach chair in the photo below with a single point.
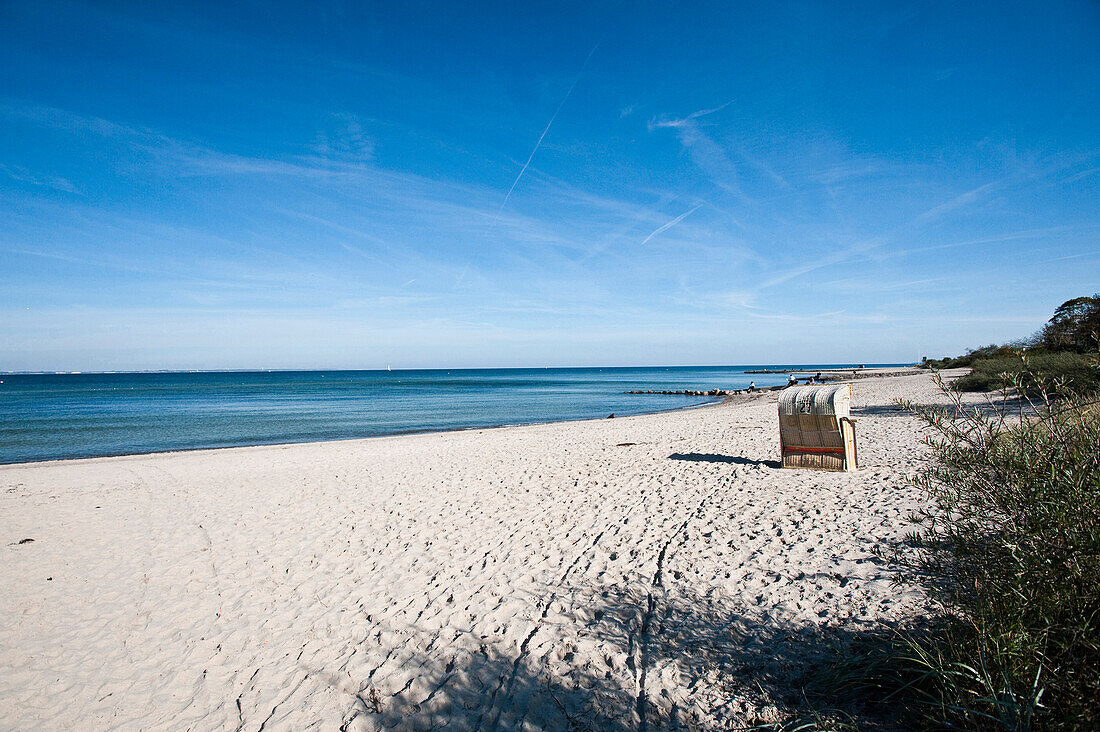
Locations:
(815, 429)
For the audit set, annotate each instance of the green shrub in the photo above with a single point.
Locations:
(959, 362)
(1011, 552)
(1064, 372)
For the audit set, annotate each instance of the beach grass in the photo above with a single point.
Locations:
(1009, 550)
(1062, 372)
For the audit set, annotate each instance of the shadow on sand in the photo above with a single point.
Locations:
(702, 457)
(638, 660)
(885, 410)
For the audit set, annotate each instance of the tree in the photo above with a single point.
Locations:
(1075, 326)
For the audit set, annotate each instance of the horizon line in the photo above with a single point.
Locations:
(443, 368)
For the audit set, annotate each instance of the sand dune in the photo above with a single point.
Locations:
(639, 572)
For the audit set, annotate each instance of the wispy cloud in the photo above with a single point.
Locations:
(23, 175)
(839, 256)
(870, 283)
(1024, 171)
(545, 130)
(462, 275)
(995, 239)
(670, 224)
(339, 228)
(346, 139)
(683, 122)
(64, 120)
(787, 317)
(708, 155)
(1079, 176)
(961, 201)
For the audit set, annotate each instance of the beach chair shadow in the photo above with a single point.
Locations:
(705, 457)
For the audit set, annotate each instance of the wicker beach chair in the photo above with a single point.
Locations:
(815, 429)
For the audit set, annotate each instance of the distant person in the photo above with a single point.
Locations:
(752, 386)
(792, 381)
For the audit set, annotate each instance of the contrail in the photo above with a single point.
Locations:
(670, 224)
(462, 276)
(537, 144)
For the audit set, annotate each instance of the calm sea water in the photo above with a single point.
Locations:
(55, 416)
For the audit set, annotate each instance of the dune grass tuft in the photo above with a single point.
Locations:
(1062, 372)
(1011, 552)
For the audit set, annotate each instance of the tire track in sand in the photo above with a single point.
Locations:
(637, 651)
(544, 610)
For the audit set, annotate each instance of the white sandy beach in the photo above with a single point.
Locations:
(550, 576)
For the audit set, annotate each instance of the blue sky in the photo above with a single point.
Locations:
(347, 185)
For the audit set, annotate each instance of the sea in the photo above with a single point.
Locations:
(62, 416)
